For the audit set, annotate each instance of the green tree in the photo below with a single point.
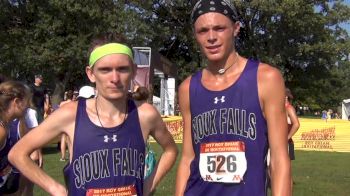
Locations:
(303, 38)
(52, 37)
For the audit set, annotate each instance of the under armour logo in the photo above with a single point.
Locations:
(216, 99)
(107, 139)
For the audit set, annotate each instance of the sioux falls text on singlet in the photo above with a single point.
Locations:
(231, 121)
(94, 165)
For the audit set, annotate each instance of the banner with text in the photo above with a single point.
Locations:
(313, 134)
(321, 135)
(175, 127)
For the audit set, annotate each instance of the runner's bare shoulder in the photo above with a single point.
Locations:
(269, 77)
(147, 112)
(66, 111)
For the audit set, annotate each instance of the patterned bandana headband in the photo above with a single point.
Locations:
(224, 7)
(112, 48)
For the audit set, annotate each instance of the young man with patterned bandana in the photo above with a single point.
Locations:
(239, 115)
(107, 133)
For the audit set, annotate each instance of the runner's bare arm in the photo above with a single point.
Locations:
(183, 171)
(152, 121)
(295, 121)
(36, 155)
(54, 125)
(272, 96)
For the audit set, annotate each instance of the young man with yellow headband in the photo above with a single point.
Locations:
(239, 115)
(107, 133)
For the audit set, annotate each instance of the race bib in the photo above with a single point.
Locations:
(223, 162)
(118, 191)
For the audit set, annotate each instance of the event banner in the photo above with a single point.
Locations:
(175, 127)
(313, 135)
(321, 135)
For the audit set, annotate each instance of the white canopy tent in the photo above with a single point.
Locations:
(345, 109)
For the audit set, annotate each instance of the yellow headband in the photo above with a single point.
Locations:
(112, 48)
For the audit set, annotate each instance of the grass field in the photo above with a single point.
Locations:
(315, 173)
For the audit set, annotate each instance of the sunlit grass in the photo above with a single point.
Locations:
(315, 173)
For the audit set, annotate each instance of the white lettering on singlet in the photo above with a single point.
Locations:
(95, 165)
(231, 121)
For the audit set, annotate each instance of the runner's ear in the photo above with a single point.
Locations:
(90, 74)
(236, 28)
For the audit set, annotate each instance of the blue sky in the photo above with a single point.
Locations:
(347, 26)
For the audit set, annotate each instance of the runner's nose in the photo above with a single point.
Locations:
(115, 76)
(211, 36)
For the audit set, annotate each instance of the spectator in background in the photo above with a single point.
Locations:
(336, 115)
(48, 108)
(39, 97)
(86, 92)
(26, 186)
(58, 92)
(17, 130)
(324, 115)
(293, 126)
(64, 138)
(329, 115)
(140, 93)
(14, 100)
(75, 94)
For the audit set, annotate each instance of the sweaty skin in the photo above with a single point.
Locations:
(215, 34)
(112, 75)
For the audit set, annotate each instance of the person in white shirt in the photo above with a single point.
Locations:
(31, 121)
(64, 140)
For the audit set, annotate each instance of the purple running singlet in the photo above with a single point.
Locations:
(229, 138)
(13, 136)
(106, 161)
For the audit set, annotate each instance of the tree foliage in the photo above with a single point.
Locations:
(305, 39)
